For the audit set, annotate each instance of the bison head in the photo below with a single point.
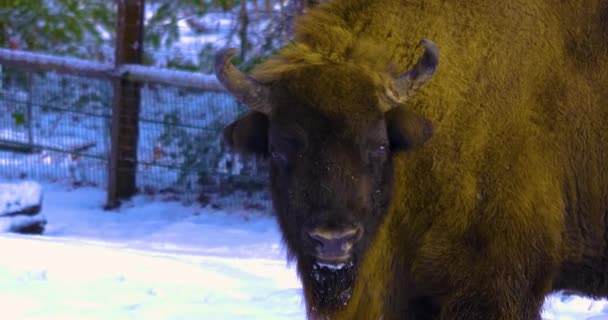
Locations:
(329, 132)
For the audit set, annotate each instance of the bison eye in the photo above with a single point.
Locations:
(380, 151)
(278, 156)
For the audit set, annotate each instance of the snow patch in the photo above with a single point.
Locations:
(18, 223)
(15, 197)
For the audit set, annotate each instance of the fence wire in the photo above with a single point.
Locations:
(56, 127)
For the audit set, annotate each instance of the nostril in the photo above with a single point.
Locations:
(317, 241)
(317, 237)
(336, 240)
(322, 235)
(357, 235)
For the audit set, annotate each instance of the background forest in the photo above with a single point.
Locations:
(180, 147)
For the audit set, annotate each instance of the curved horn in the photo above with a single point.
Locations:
(246, 89)
(404, 87)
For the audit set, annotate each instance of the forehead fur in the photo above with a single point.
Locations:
(334, 71)
(334, 90)
(351, 90)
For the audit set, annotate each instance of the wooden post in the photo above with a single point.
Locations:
(29, 111)
(244, 23)
(125, 104)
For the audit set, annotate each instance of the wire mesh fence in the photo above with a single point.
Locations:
(117, 119)
(56, 127)
(180, 145)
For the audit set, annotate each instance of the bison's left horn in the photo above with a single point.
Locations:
(405, 86)
(246, 89)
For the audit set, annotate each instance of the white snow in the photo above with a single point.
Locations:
(206, 82)
(162, 260)
(149, 260)
(9, 224)
(574, 307)
(45, 61)
(18, 196)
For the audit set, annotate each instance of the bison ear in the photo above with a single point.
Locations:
(249, 134)
(407, 129)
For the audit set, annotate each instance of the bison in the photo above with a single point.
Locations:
(409, 188)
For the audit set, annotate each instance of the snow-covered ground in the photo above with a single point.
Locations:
(149, 260)
(161, 260)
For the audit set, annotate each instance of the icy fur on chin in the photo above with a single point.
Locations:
(332, 284)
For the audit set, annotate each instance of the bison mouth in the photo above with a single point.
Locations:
(329, 267)
(332, 283)
(334, 264)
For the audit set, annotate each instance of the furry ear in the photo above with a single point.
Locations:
(248, 135)
(407, 129)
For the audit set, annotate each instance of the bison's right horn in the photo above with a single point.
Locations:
(246, 89)
(404, 87)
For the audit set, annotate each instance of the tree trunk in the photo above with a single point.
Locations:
(125, 104)
(244, 23)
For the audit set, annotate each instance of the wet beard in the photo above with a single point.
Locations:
(331, 286)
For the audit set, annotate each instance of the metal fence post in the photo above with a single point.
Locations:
(125, 104)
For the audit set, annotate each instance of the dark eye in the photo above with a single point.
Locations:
(380, 151)
(278, 156)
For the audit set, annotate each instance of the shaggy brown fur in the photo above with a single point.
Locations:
(507, 201)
